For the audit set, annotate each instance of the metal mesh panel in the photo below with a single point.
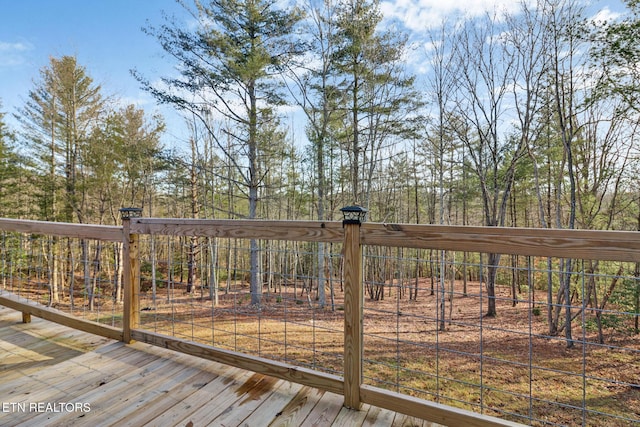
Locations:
(289, 324)
(76, 276)
(427, 334)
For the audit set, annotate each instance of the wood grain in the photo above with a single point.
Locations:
(429, 411)
(140, 384)
(53, 315)
(264, 366)
(130, 282)
(306, 231)
(582, 244)
(353, 316)
(88, 231)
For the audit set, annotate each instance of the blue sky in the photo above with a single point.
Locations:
(106, 37)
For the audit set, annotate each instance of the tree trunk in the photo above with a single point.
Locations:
(54, 271)
(87, 272)
(70, 273)
(119, 272)
(492, 271)
(636, 319)
(442, 276)
(213, 275)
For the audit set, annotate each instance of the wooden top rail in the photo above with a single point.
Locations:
(86, 231)
(305, 231)
(581, 244)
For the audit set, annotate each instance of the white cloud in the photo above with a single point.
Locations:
(12, 53)
(15, 47)
(605, 15)
(420, 15)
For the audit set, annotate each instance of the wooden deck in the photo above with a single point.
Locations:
(53, 375)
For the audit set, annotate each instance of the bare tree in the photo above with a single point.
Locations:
(315, 91)
(441, 85)
(486, 69)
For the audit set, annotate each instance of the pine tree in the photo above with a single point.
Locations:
(376, 95)
(230, 65)
(10, 172)
(58, 117)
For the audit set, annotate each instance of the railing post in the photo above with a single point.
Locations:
(353, 305)
(131, 274)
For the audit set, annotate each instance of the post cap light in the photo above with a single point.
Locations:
(354, 214)
(127, 213)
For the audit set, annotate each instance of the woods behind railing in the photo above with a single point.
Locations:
(577, 244)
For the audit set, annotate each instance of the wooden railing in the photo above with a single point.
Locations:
(81, 231)
(621, 246)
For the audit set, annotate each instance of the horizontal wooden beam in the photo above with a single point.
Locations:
(85, 231)
(53, 315)
(260, 365)
(580, 244)
(305, 231)
(430, 411)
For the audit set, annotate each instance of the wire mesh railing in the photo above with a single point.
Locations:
(493, 321)
(429, 336)
(214, 305)
(77, 276)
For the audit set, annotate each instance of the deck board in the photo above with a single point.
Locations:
(59, 379)
(325, 412)
(298, 409)
(378, 417)
(138, 384)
